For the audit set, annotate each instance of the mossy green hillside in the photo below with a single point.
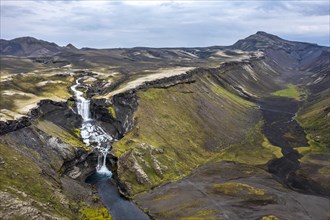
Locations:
(20, 174)
(188, 124)
(292, 91)
(255, 149)
(243, 191)
(60, 133)
(315, 119)
(87, 213)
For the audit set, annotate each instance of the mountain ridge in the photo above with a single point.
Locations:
(32, 47)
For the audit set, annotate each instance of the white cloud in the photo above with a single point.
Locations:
(129, 23)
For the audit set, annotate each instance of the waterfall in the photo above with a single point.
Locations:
(83, 109)
(92, 134)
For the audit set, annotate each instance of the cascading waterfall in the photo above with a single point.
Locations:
(92, 134)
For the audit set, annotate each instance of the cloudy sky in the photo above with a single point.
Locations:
(169, 23)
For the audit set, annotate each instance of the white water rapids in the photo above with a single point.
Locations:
(92, 134)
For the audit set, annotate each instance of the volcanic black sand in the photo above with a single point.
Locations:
(282, 130)
(228, 190)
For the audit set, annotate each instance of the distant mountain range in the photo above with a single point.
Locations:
(29, 46)
(32, 47)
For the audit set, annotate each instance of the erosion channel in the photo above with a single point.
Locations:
(93, 135)
(284, 131)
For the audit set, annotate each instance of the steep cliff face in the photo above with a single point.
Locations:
(44, 165)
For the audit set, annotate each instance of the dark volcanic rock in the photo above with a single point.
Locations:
(60, 114)
(56, 112)
(262, 40)
(13, 125)
(124, 106)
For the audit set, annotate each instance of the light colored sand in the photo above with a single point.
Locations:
(48, 82)
(221, 53)
(241, 55)
(17, 92)
(158, 74)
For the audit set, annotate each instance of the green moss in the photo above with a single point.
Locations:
(70, 104)
(58, 132)
(270, 217)
(230, 96)
(274, 150)
(255, 149)
(315, 120)
(112, 110)
(292, 91)
(208, 214)
(236, 189)
(243, 191)
(94, 213)
(20, 174)
(325, 171)
(313, 116)
(76, 131)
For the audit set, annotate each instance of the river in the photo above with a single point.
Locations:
(93, 135)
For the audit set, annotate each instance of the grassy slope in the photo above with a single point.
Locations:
(292, 91)
(22, 178)
(315, 119)
(185, 126)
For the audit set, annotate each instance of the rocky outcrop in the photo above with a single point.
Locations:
(13, 125)
(49, 149)
(57, 112)
(14, 208)
(116, 117)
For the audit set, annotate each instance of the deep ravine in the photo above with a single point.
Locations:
(93, 135)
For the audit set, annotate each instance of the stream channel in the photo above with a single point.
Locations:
(284, 131)
(93, 135)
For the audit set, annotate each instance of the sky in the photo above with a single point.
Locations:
(165, 23)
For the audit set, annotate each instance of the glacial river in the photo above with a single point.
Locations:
(93, 135)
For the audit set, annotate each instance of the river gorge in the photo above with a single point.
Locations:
(237, 132)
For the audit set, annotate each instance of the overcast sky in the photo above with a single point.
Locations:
(130, 23)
